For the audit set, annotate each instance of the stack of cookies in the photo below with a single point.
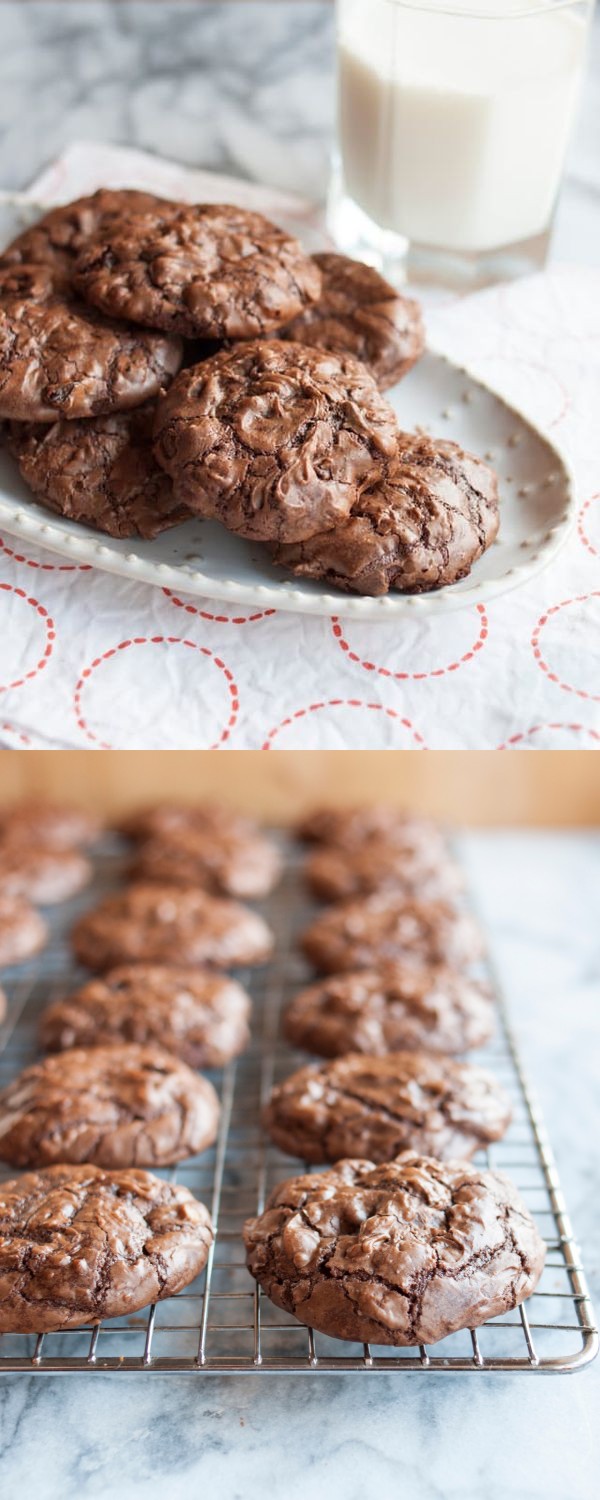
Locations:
(402, 1240)
(117, 1091)
(163, 360)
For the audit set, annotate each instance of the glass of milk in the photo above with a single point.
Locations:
(452, 126)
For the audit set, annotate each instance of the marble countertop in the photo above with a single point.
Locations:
(154, 1437)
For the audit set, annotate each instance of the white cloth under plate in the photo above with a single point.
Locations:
(89, 660)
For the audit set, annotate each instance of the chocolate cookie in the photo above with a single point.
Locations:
(359, 313)
(206, 270)
(364, 933)
(337, 874)
(44, 876)
(55, 825)
(166, 924)
(275, 440)
(57, 238)
(22, 930)
(378, 1106)
(246, 865)
(59, 358)
(163, 819)
(99, 471)
(78, 1245)
(119, 1106)
(197, 1015)
(404, 1253)
(353, 828)
(420, 527)
(393, 1008)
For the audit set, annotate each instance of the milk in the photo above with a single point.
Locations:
(453, 129)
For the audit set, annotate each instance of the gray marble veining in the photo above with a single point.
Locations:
(356, 1437)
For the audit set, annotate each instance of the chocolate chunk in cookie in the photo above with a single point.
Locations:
(420, 527)
(353, 828)
(117, 1106)
(359, 313)
(57, 238)
(338, 874)
(55, 825)
(394, 1008)
(43, 875)
(361, 934)
(404, 1253)
(22, 931)
(78, 1244)
(100, 471)
(197, 1015)
(243, 865)
(59, 358)
(275, 440)
(166, 924)
(206, 270)
(359, 1105)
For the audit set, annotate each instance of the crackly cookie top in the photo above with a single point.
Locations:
(99, 471)
(361, 933)
(206, 270)
(22, 930)
(420, 526)
(57, 238)
(168, 924)
(41, 874)
(196, 1014)
(353, 828)
(116, 1106)
(162, 819)
(273, 439)
(359, 1105)
(393, 1007)
(78, 1244)
(56, 825)
(359, 313)
(335, 874)
(61, 358)
(229, 864)
(403, 1253)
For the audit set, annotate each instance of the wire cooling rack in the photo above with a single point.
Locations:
(222, 1322)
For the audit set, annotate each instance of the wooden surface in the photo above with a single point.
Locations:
(473, 788)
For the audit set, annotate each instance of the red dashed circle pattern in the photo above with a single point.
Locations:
(315, 708)
(453, 666)
(155, 640)
(538, 650)
(582, 521)
(49, 633)
(528, 734)
(43, 567)
(205, 614)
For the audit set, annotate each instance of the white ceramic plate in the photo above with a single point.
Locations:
(202, 559)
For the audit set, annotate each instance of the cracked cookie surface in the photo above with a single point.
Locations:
(377, 1107)
(402, 1254)
(116, 1106)
(99, 471)
(40, 874)
(354, 828)
(243, 865)
(359, 313)
(170, 924)
(338, 874)
(206, 270)
(57, 238)
(22, 931)
(273, 439)
(78, 1244)
(196, 1014)
(56, 825)
(362, 933)
(59, 358)
(420, 527)
(392, 1008)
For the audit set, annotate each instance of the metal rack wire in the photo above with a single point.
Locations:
(222, 1322)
